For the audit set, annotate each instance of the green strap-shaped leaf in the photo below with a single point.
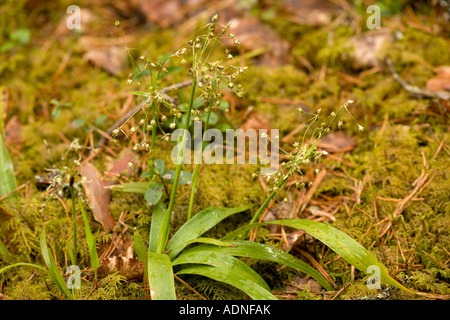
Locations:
(133, 187)
(223, 261)
(7, 178)
(202, 240)
(254, 290)
(90, 239)
(160, 276)
(157, 218)
(264, 252)
(25, 265)
(342, 244)
(139, 246)
(200, 223)
(5, 254)
(53, 268)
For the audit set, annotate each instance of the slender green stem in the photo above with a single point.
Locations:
(154, 128)
(74, 224)
(198, 161)
(265, 203)
(281, 182)
(166, 221)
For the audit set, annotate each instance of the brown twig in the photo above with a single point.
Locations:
(413, 89)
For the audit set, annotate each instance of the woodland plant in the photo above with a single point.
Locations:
(187, 251)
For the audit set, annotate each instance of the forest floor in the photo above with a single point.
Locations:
(387, 186)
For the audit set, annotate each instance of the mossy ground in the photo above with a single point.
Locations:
(390, 154)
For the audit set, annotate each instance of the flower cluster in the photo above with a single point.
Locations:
(210, 72)
(306, 152)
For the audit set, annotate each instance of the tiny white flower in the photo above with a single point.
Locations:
(153, 122)
(130, 164)
(360, 127)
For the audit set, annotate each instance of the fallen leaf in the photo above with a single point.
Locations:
(166, 13)
(256, 121)
(253, 34)
(441, 82)
(119, 166)
(121, 258)
(304, 284)
(314, 13)
(365, 51)
(337, 142)
(98, 196)
(13, 130)
(111, 59)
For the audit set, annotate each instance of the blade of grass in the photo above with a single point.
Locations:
(90, 239)
(5, 254)
(349, 249)
(53, 268)
(265, 252)
(255, 291)
(25, 265)
(219, 260)
(133, 187)
(155, 226)
(197, 225)
(139, 246)
(160, 276)
(8, 180)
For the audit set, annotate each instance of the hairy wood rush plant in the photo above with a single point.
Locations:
(187, 252)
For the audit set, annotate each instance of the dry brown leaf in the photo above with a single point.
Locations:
(111, 59)
(256, 121)
(119, 166)
(98, 196)
(337, 142)
(122, 260)
(366, 48)
(441, 82)
(302, 284)
(314, 13)
(253, 34)
(13, 130)
(166, 13)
